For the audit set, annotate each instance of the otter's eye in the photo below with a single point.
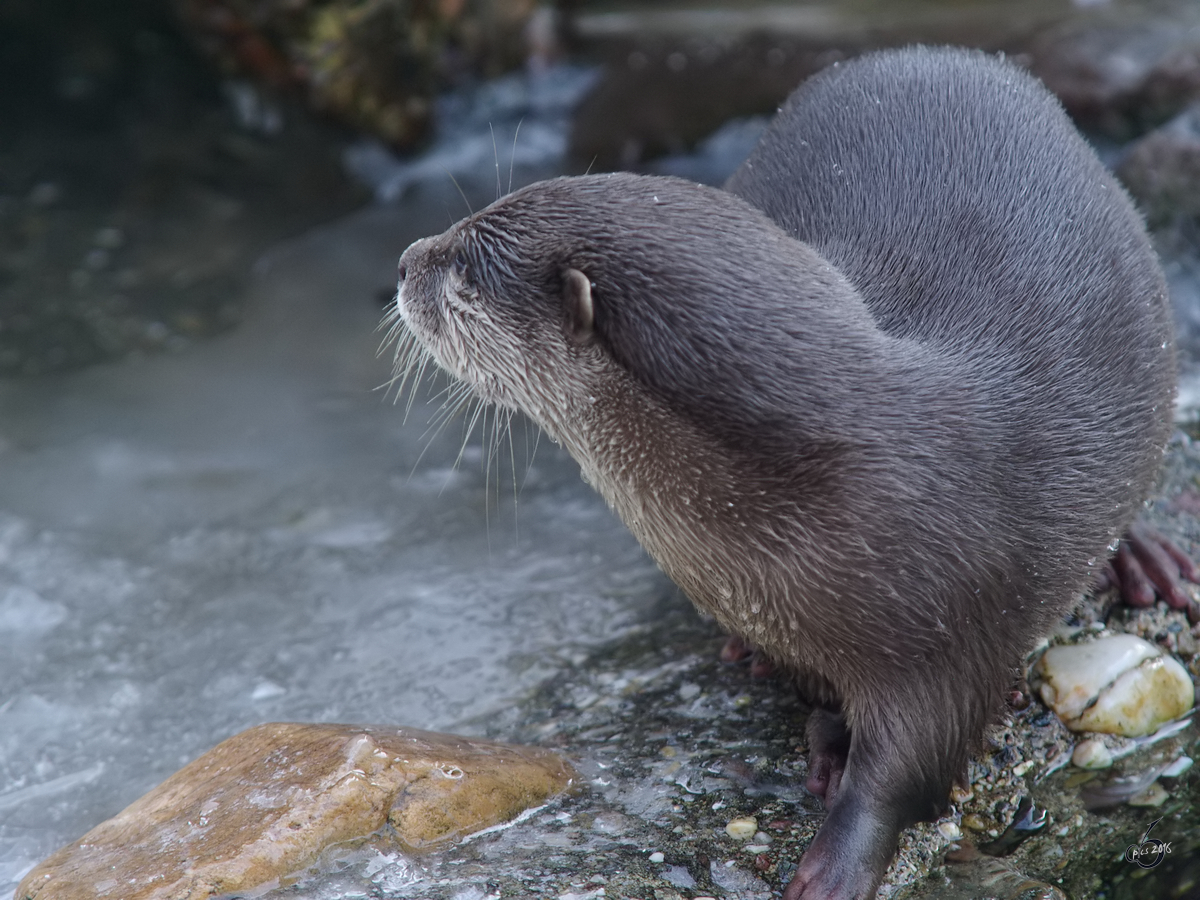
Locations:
(459, 263)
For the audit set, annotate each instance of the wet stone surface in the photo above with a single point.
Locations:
(673, 747)
(270, 801)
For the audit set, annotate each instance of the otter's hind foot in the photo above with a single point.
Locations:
(738, 649)
(828, 746)
(1148, 563)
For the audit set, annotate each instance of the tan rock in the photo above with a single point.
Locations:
(265, 803)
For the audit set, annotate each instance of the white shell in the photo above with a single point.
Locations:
(1119, 684)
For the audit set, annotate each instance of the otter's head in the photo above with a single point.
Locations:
(502, 302)
(553, 295)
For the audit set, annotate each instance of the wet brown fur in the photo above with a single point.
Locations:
(884, 430)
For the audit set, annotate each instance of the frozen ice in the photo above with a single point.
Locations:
(241, 532)
(23, 610)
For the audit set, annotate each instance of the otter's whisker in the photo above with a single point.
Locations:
(410, 360)
(480, 411)
(401, 343)
(461, 193)
(487, 446)
(486, 454)
(512, 462)
(418, 376)
(410, 352)
(397, 333)
(457, 396)
(497, 434)
(390, 314)
(530, 454)
(416, 362)
(496, 155)
(492, 438)
(512, 159)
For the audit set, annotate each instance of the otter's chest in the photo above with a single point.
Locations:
(702, 529)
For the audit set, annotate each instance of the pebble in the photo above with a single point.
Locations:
(1154, 795)
(1178, 767)
(1118, 684)
(657, 856)
(1091, 754)
(742, 828)
(976, 822)
(949, 831)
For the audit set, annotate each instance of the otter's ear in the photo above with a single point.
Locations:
(577, 299)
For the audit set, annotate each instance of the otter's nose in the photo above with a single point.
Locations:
(415, 249)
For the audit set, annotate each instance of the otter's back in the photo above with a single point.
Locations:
(950, 188)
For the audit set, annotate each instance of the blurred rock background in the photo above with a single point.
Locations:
(151, 149)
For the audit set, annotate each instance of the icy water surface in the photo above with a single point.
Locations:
(194, 544)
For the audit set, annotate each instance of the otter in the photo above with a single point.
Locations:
(880, 406)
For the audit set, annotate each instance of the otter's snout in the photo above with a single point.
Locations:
(415, 249)
(409, 264)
